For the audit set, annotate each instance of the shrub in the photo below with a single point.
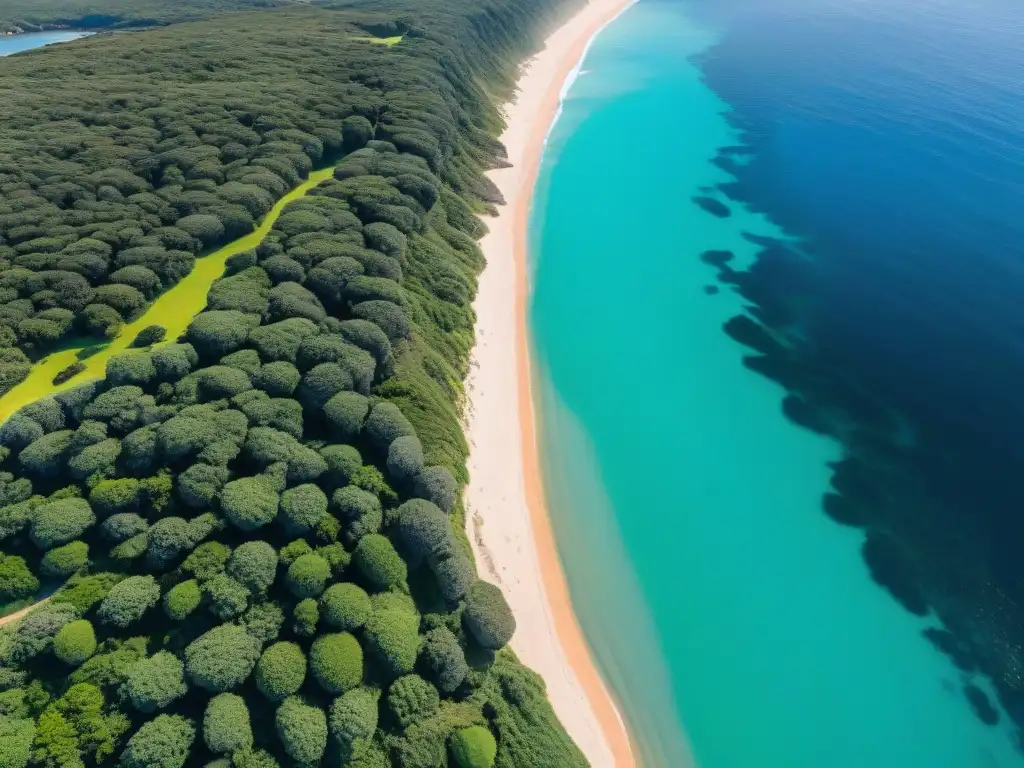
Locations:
(75, 642)
(392, 636)
(16, 580)
(354, 715)
(216, 333)
(174, 361)
(16, 736)
(46, 456)
(150, 335)
(391, 318)
(199, 484)
(359, 510)
(308, 575)
(322, 383)
(411, 699)
(346, 412)
(182, 599)
(204, 227)
(368, 336)
(220, 381)
(252, 758)
(226, 597)
(206, 560)
(69, 372)
(436, 484)
(302, 730)
(264, 621)
(405, 458)
(281, 671)
(385, 424)
(249, 502)
(19, 430)
(254, 564)
(336, 661)
(425, 529)
(488, 617)
(35, 633)
(281, 340)
(474, 747)
(63, 561)
(445, 658)
(123, 525)
(58, 522)
(277, 379)
(302, 507)
(379, 563)
(222, 658)
(226, 725)
(128, 600)
(345, 606)
(306, 615)
(155, 682)
(455, 576)
(124, 370)
(342, 463)
(14, 518)
(163, 742)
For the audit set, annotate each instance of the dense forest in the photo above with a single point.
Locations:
(252, 536)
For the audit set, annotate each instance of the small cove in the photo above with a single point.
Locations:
(28, 40)
(173, 309)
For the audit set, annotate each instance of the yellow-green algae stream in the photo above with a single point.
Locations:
(173, 309)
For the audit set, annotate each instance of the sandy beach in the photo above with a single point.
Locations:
(507, 518)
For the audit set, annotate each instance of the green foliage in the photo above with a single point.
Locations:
(216, 333)
(281, 671)
(405, 458)
(474, 747)
(425, 529)
(354, 716)
(264, 621)
(359, 510)
(392, 637)
(249, 502)
(445, 659)
(307, 614)
(16, 736)
(207, 560)
(336, 661)
(226, 598)
(254, 564)
(75, 642)
(226, 725)
(58, 522)
(345, 606)
(222, 658)
(411, 699)
(302, 507)
(302, 730)
(385, 424)
(163, 742)
(346, 412)
(182, 600)
(342, 463)
(379, 563)
(436, 484)
(128, 601)
(151, 334)
(155, 682)
(488, 617)
(83, 592)
(16, 580)
(278, 378)
(308, 575)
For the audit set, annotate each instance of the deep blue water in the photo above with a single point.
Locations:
(778, 270)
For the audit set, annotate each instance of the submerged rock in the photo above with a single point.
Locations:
(982, 707)
(711, 290)
(712, 206)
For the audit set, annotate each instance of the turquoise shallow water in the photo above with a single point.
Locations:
(17, 43)
(718, 598)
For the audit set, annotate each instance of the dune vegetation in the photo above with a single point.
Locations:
(253, 531)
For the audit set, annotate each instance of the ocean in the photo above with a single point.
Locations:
(17, 43)
(776, 256)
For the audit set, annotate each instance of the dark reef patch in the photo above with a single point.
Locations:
(712, 206)
(716, 258)
(711, 290)
(980, 704)
(843, 510)
(948, 644)
(891, 569)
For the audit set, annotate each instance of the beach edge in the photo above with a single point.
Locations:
(507, 516)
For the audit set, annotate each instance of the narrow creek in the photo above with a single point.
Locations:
(173, 309)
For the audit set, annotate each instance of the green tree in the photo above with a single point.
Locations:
(385, 424)
(75, 642)
(226, 598)
(155, 682)
(226, 725)
(336, 661)
(308, 575)
(182, 600)
(254, 564)
(302, 730)
(302, 507)
(281, 671)
(163, 742)
(379, 563)
(488, 617)
(16, 580)
(58, 522)
(405, 458)
(354, 716)
(222, 658)
(445, 659)
(474, 747)
(346, 412)
(249, 502)
(306, 616)
(411, 699)
(345, 606)
(392, 637)
(128, 601)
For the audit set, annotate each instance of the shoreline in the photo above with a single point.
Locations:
(507, 518)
